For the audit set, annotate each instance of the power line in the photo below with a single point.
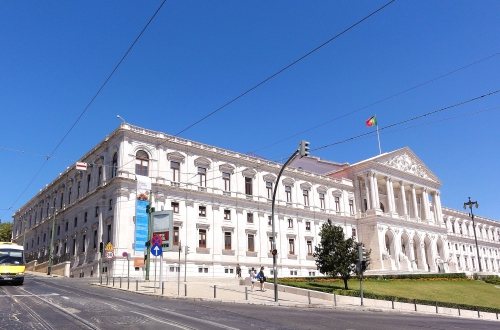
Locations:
(86, 108)
(382, 100)
(409, 120)
(262, 82)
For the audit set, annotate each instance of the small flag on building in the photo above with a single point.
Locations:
(372, 121)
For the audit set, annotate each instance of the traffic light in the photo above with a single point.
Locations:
(363, 259)
(304, 148)
(186, 251)
(101, 247)
(149, 209)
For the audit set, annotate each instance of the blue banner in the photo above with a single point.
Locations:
(141, 226)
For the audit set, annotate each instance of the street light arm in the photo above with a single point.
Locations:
(275, 272)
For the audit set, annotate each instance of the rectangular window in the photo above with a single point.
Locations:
(109, 233)
(84, 238)
(353, 232)
(99, 176)
(248, 186)
(227, 214)
(202, 211)
(250, 217)
(202, 238)
(66, 226)
(95, 239)
(226, 177)
(61, 202)
(96, 211)
(73, 250)
(85, 216)
(251, 243)
(69, 196)
(291, 246)
(58, 231)
(305, 193)
(78, 186)
(288, 193)
(227, 240)
(308, 225)
(88, 182)
(75, 222)
(322, 201)
(337, 204)
(176, 236)
(290, 223)
(175, 167)
(269, 188)
(202, 174)
(175, 207)
(351, 207)
(309, 248)
(110, 205)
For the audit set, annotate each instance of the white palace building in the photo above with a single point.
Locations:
(221, 203)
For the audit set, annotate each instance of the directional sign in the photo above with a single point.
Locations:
(156, 250)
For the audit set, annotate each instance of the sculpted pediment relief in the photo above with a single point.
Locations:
(408, 163)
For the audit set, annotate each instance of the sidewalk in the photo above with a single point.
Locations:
(231, 291)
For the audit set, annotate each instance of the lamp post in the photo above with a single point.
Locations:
(470, 204)
(303, 150)
(51, 246)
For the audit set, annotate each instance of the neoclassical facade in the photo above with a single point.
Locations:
(221, 203)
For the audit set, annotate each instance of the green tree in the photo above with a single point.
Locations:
(336, 255)
(5, 232)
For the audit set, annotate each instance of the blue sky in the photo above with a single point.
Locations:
(197, 55)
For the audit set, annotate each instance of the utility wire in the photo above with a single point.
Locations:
(86, 108)
(409, 120)
(262, 82)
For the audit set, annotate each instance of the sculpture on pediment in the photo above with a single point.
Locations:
(406, 163)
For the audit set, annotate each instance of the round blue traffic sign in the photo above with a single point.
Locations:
(156, 250)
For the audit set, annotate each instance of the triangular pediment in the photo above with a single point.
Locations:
(406, 161)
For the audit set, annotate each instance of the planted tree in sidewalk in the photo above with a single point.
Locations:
(5, 231)
(336, 255)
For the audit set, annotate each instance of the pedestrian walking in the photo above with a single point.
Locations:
(253, 277)
(238, 270)
(262, 278)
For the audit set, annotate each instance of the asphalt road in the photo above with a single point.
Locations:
(59, 303)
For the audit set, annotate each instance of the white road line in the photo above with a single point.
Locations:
(29, 295)
(171, 323)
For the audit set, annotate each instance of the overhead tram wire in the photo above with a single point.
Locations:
(262, 82)
(283, 69)
(382, 100)
(108, 78)
(449, 107)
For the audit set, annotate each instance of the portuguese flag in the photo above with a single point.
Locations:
(372, 121)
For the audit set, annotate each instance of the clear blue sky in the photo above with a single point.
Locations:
(196, 55)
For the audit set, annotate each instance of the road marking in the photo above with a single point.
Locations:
(171, 323)
(29, 295)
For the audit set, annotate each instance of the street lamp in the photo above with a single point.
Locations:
(470, 204)
(302, 150)
(51, 246)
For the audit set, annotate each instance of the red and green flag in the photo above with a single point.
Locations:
(372, 121)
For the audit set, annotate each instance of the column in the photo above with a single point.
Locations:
(389, 199)
(413, 257)
(367, 193)
(375, 187)
(403, 199)
(357, 201)
(426, 215)
(423, 254)
(393, 199)
(414, 201)
(373, 198)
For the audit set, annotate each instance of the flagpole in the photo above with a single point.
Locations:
(378, 138)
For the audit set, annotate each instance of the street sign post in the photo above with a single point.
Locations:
(156, 250)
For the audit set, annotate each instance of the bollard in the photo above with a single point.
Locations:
(107, 280)
(128, 283)
(215, 291)
(185, 290)
(136, 285)
(415, 303)
(113, 281)
(392, 303)
(458, 311)
(120, 282)
(497, 315)
(436, 307)
(478, 316)
(162, 288)
(335, 299)
(309, 297)
(100, 279)
(246, 296)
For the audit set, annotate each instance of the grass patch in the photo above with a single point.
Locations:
(457, 292)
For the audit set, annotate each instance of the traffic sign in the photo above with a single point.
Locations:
(156, 240)
(109, 247)
(156, 250)
(109, 254)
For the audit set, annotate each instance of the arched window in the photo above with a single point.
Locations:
(141, 163)
(114, 165)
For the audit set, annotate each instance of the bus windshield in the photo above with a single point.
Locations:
(12, 257)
